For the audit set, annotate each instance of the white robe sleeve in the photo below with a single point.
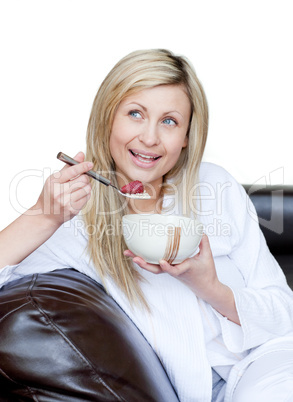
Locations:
(66, 248)
(265, 304)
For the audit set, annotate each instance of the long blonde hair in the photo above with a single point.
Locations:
(103, 214)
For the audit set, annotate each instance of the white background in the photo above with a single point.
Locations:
(55, 53)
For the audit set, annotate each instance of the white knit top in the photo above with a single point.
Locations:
(188, 335)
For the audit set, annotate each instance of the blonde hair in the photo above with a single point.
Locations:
(103, 214)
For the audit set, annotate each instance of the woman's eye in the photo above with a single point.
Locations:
(170, 122)
(134, 113)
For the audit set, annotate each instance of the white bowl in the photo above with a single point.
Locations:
(154, 237)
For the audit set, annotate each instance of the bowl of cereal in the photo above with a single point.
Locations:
(156, 237)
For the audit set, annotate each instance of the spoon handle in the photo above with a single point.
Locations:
(66, 159)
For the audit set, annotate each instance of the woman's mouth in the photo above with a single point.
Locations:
(142, 159)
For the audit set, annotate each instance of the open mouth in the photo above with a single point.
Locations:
(143, 157)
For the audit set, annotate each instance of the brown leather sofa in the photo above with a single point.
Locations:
(62, 338)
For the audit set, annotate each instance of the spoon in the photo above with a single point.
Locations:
(70, 161)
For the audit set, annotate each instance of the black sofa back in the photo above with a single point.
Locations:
(274, 207)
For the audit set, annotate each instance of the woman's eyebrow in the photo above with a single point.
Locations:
(138, 104)
(145, 109)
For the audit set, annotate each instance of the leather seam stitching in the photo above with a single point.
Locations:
(14, 310)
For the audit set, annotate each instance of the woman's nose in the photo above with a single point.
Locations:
(150, 135)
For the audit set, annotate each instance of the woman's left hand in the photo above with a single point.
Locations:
(199, 274)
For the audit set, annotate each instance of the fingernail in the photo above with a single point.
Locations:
(90, 165)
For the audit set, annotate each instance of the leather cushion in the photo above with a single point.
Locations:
(64, 339)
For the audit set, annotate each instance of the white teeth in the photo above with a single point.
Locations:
(144, 159)
(144, 156)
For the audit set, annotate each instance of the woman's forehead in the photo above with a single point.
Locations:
(169, 96)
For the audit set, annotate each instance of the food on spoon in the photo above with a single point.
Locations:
(134, 187)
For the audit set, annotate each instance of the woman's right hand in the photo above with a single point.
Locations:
(63, 196)
(65, 193)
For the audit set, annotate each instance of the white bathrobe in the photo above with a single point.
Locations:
(188, 335)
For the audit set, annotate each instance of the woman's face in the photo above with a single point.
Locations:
(148, 133)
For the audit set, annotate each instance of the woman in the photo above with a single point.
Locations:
(228, 307)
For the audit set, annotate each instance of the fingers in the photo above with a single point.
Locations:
(79, 157)
(72, 195)
(74, 185)
(177, 270)
(129, 253)
(155, 269)
(204, 246)
(66, 192)
(204, 254)
(79, 199)
(173, 270)
(71, 172)
(80, 191)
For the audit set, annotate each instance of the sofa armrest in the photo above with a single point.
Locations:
(64, 339)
